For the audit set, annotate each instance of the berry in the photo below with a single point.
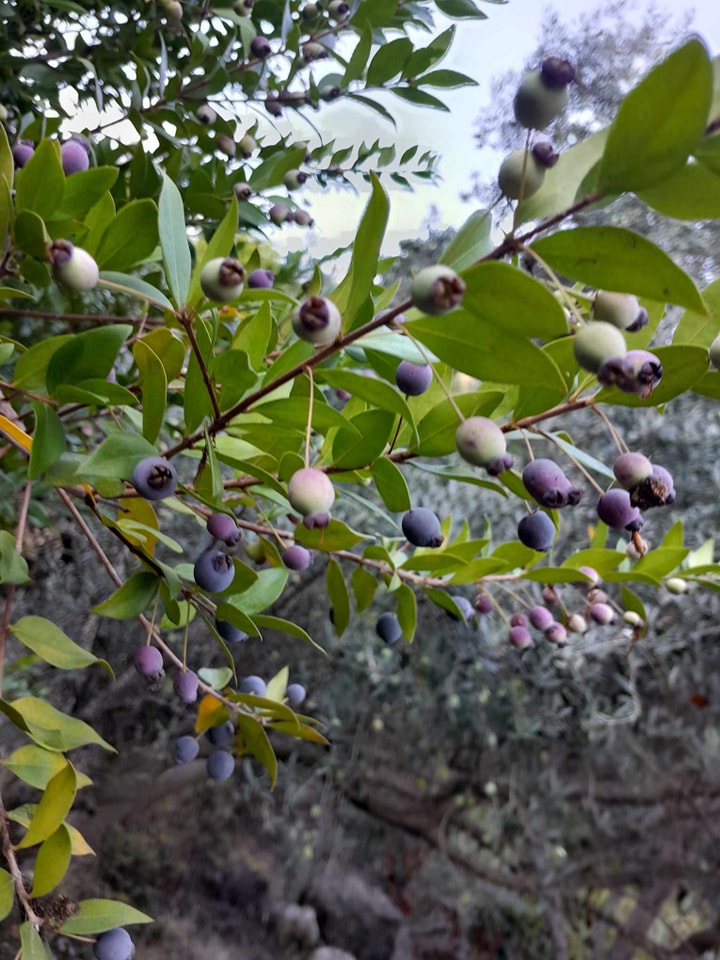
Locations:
(312, 494)
(223, 527)
(499, 466)
(537, 103)
(549, 595)
(74, 156)
(639, 371)
(328, 90)
(466, 609)
(214, 571)
(596, 343)
(615, 509)
(541, 618)
(657, 490)
(591, 573)
(272, 105)
(73, 266)
(229, 632)
(510, 175)
(338, 9)
(22, 151)
(640, 321)
(260, 47)
(422, 528)
(312, 50)
(186, 749)
(317, 320)
(480, 441)
(596, 596)
(243, 191)
(556, 72)
(220, 765)
(253, 686)
(205, 114)
(556, 633)
(303, 219)
(185, 686)
(436, 290)
(713, 351)
(483, 603)
(602, 613)
(545, 481)
(226, 145)
(155, 478)
(518, 620)
(297, 557)
(630, 469)
(388, 627)
(310, 11)
(676, 585)
(223, 735)
(149, 662)
(520, 637)
(279, 214)
(537, 531)
(247, 145)
(620, 309)
(173, 13)
(577, 624)
(243, 7)
(294, 179)
(115, 944)
(295, 693)
(633, 618)
(413, 378)
(222, 279)
(261, 279)
(545, 154)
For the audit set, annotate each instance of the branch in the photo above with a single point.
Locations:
(14, 870)
(209, 385)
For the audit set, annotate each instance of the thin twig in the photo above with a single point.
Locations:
(195, 346)
(14, 870)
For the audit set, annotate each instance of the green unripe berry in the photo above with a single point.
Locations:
(243, 191)
(510, 175)
(206, 114)
(676, 585)
(714, 352)
(294, 179)
(311, 11)
(619, 309)
(338, 9)
(597, 342)
(312, 50)
(243, 7)
(536, 104)
(222, 279)
(480, 441)
(73, 266)
(310, 492)
(247, 146)
(3, 112)
(226, 145)
(436, 290)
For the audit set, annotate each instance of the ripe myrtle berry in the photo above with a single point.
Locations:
(260, 47)
(620, 309)
(540, 97)
(261, 279)
(615, 509)
(229, 632)
(545, 154)
(596, 596)
(597, 343)
(510, 175)
(317, 320)
(388, 627)
(549, 595)
(222, 279)
(591, 573)
(149, 662)
(630, 469)
(657, 490)
(295, 694)
(186, 749)
(639, 371)
(536, 531)
(253, 686)
(73, 266)
(480, 441)
(466, 609)
(483, 603)
(220, 765)
(74, 156)
(422, 528)
(115, 944)
(205, 114)
(556, 633)
(243, 191)
(22, 151)
(312, 494)
(222, 735)
(297, 557)
(518, 620)
(520, 637)
(413, 378)
(223, 527)
(436, 290)
(602, 613)
(214, 571)
(557, 72)
(247, 145)
(545, 481)
(155, 478)
(185, 686)
(541, 618)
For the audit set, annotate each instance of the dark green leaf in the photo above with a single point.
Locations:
(7, 888)
(388, 61)
(336, 536)
(173, 240)
(470, 243)
(40, 184)
(357, 449)
(134, 596)
(364, 586)
(460, 9)
(52, 862)
(48, 440)
(419, 97)
(338, 596)
(131, 237)
(391, 485)
(86, 355)
(701, 329)
(13, 566)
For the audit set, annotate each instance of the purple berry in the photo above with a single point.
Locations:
(657, 490)
(297, 557)
(214, 571)
(260, 47)
(518, 620)
(279, 213)
(115, 944)
(223, 527)
(520, 637)
(556, 633)
(149, 662)
(545, 481)
(422, 528)
(615, 509)
(261, 279)
(480, 441)
(556, 72)
(545, 154)
(312, 494)
(499, 466)
(602, 613)
(541, 618)
(639, 371)
(630, 469)
(186, 749)
(74, 156)
(549, 595)
(186, 686)
(303, 219)
(413, 378)
(253, 686)
(22, 151)
(591, 573)
(317, 320)
(483, 603)
(388, 627)
(220, 765)
(155, 478)
(639, 322)
(229, 632)
(295, 693)
(223, 735)
(436, 290)
(466, 609)
(537, 531)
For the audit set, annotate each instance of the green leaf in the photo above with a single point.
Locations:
(52, 645)
(683, 368)
(84, 189)
(406, 610)
(376, 392)
(391, 485)
(50, 728)
(460, 9)
(336, 536)
(426, 57)
(612, 258)
(659, 122)
(35, 765)
(338, 596)
(230, 613)
(173, 240)
(293, 412)
(97, 916)
(446, 78)
(52, 862)
(116, 457)
(7, 164)
(54, 806)
(372, 105)
(40, 183)
(257, 743)
(364, 585)
(86, 355)
(216, 678)
(388, 61)
(375, 12)
(352, 449)
(136, 287)
(48, 440)
(356, 64)
(267, 622)
(470, 243)
(701, 329)
(32, 946)
(420, 98)
(197, 403)
(261, 594)
(301, 732)
(131, 237)
(153, 382)
(693, 193)
(270, 172)
(436, 430)
(7, 889)
(13, 566)
(134, 596)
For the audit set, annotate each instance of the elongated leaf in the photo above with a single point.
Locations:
(693, 193)
(284, 626)
(48, 440)
(470, 243)
(173, 240)
(135, 286)
(54, 806)
(352, 450)
(700, 329)
(261, 594)
(338, 596)
(40, 184)
(49, 642)
(52, 862)
(153, 380)
(50, 728)
(7, 894)
(134, 596)
(36, 766)
(388, 61)
(97, 916)
(257, 743)
(130, 237)
(116, 457)
(391, 485)
(13, 566)
(356, 64)
(32, 946)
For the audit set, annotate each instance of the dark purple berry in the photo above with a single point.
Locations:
(602, 613)
(295, 693)
(413, 378)
(499, 466)
(115, 944)
(615, 509)
(74, 156)
(466, 609)
(520, 637)
(297, 557)
(149, 662)
(214, 571)
(545, 481)
(229, 632)
(483, 603)
(253, 685)
(549, 595)
(656, 490)
(422, 528)
(303, 219)
(186, 749)
(260, 47)
(557, 72)
(537, 531)
(22, 151)
(186, 686)
(545, 154)
(541, 618)
(639, 371)
(223, 735)
(556, 633)
(388, 627)
(273, 106)
(220, 765)
(155, 478)
(223, 527)
(261, 279)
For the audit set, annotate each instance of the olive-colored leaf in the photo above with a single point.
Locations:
(97, 916)
(52, 645)
(52, 861)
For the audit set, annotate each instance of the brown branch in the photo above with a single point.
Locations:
(209, 385)
(15, 871)
(67, 317)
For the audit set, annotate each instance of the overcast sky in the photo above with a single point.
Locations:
(482, 49)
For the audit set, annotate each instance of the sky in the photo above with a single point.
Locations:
(482, 49)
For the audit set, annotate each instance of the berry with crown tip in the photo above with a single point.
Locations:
(273, 105)
(545, 154)
(115, 944)
(223, 735)
(602, 613)
(676, 585)
(510, 175)
(220, 765)
(639, 371)
(155, 478)
(422, 528)
(713, 351)
(303, 219)
(74, 156)
(556, 633)
(222, 279)
(536, 531)
(615, 509)
(294, 179)
(633, 618)
(185, 686)
(413, 378)
(243, 7)
(338, 9)
(537, 103)
(518, 620)
(247, 145)
(312, 494)
(328, 90)
(541, 618)
(577, 623)
(480, 441)
(312, 51)
(388, 627)
(279, 214)
(640, 321)
(214, 571)
(149, 662)
(260, 47)
(556, 72)
(549, 595)
(464, 606)
(596, 596)
(229, 632)
(186, 749)
(223, 527)
(657, 490)
(630, 469)
(295, 694)
(73, 266)
(310, 11)
(620, 309)
(206, 114)
(436, 290)
(545, 481)
(173, 14)
(317, 320)
(483, 603)
(261, 279)
(22, 151)
(597, 343)
(253, 686)
(243, 191)
(226, 145)
(499, 466)
(297, 557)
(520, 638)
